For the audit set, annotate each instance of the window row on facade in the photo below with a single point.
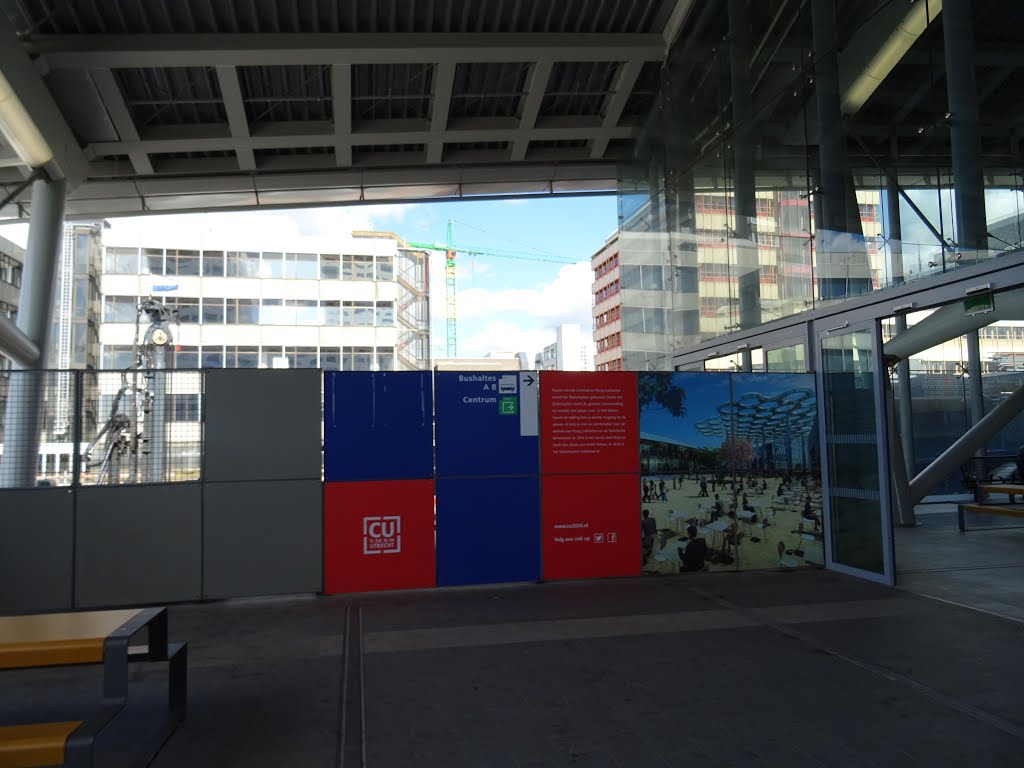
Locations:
(606, 266)
(120, 356)
(267, 264)
(215, 311)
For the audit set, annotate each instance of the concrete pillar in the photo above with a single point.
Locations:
(748, 269)
(965, 133)
(832, 269)
(895, 234)
(23, 420)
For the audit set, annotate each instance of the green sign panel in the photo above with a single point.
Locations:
(508, 406)
(977, 303)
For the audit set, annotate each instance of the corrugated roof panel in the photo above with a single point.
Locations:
(362, 16)
(172, 95)
(488, 90)
(390, 91)
(278, 93)
(578, 88)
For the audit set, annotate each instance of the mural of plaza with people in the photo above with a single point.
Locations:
(729, 472)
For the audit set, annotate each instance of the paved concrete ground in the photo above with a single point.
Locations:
(749, 669)
(982, 568)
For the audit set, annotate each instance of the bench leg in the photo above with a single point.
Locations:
(177, 688)
(960, 518)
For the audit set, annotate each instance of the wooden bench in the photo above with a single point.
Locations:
(93, 637)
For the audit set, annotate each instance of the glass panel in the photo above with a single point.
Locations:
(851, 440)
(786, 359)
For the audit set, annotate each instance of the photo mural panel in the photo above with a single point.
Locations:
(487, 423)
(488, 530)
(730, 476)
(378, 425)
(378, 535)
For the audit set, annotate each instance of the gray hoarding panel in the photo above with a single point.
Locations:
(138, 544)
(262, 425)
(263, 538)
(35, 550)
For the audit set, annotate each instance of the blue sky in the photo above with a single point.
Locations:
(704, 393)
(503, 304)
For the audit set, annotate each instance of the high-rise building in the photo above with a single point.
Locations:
(11, 258)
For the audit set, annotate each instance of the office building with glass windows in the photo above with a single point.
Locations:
(361, 307)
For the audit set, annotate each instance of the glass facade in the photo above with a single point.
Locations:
(789, 162)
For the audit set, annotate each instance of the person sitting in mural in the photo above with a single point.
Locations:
(808, 513)
(782, 489)
(648, 530)
(693, 552)
(729, 537)
(747, 506)
(717, 509)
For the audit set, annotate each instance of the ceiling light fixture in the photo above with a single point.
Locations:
(20, 130)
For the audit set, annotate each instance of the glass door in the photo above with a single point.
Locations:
(858, 529)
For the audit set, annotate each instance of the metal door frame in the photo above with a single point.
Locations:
(822, 330)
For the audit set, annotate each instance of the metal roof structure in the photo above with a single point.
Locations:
(204, 104)
(171, 105)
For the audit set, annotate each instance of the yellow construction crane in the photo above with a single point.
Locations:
(450, 250)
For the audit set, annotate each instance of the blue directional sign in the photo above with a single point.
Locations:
(486, 423)
(378, 425)
(488, 530)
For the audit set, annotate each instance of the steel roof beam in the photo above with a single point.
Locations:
(163, 50)
(121, 117)
(615, 103)
(238, 123)
(536, 86)
(213, 138)
(444, 82)
(680, 13)
(341, 98)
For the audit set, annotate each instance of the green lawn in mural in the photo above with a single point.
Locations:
(730, 477)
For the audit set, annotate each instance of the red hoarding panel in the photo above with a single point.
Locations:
(590, 526)
(588, 422)
(378, 535)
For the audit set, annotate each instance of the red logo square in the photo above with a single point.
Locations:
(378, 535)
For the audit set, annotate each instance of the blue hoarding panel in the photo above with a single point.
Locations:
(488, 530)
(378, 425)
(486, 423)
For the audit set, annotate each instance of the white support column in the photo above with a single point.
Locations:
(23, 420)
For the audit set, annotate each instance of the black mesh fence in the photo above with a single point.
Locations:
(37, 421)
(141, 426)
(61, 428)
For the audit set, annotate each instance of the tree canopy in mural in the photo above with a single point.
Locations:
(736, 452)
(657, 389)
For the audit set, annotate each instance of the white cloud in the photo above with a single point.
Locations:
(514, 319)
(567, 299)
(311, 229)
(504, 335)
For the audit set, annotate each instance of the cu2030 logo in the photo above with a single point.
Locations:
(382, 535)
